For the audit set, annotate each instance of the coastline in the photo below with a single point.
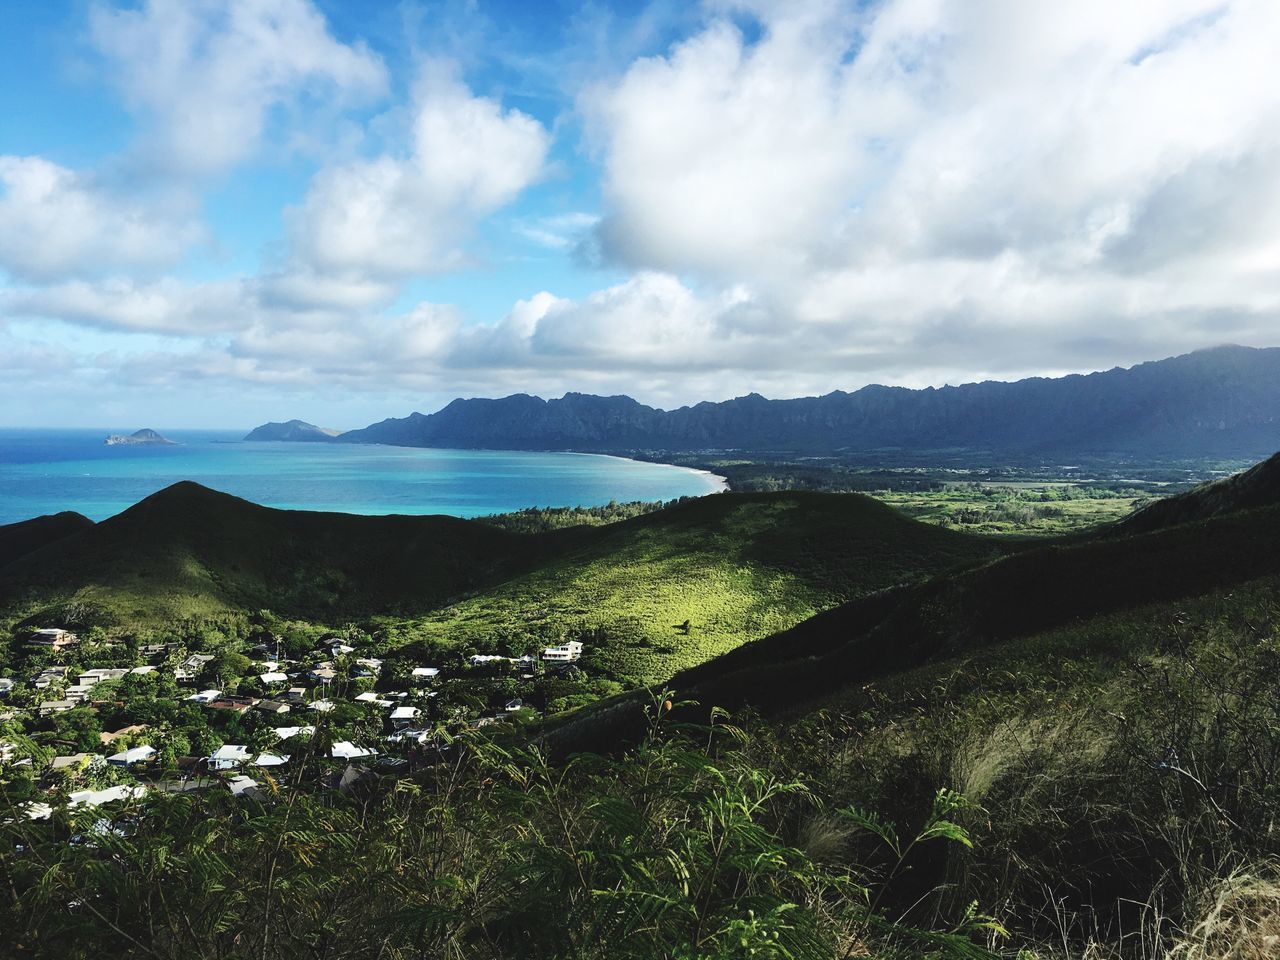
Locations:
(722, 483)
(47, 472)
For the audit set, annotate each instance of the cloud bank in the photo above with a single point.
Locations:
(793, 197)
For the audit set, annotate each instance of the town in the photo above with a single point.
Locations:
(101, 720)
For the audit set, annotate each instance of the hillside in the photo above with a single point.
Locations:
(734, 567)
(19, 539)
(1220, 403)
(1017, 597)
(1258, 486)
(188, 550)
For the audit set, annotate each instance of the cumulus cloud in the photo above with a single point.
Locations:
(402, 214)
(893, 179)
(208, 72)
(803, 196)
(165, 306)
(55, 222)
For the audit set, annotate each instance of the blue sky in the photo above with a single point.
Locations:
(218, 212)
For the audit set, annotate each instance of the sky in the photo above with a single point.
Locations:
(215, 213)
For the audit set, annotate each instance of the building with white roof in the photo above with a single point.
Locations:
(132, 756)
(229, 756)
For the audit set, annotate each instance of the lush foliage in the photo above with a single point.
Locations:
(682, 848)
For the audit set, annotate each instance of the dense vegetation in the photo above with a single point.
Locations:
(1050, 750)
(653, 594)
(681, 848)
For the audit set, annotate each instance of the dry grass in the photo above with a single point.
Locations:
(1240, 920)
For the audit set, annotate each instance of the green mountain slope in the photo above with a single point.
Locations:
(190, 551)
(1256, 487)
(734, 566)
(1113, 705)
(1017, 597)
(19, 539)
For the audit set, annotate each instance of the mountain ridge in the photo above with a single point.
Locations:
(1222, 402)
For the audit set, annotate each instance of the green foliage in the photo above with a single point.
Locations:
(543, 519)
(676, 849)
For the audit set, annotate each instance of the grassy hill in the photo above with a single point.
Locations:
(19, 539)
(1112, 704)
(190, 551)
(734, 567)
(1258, 486)
(1017, 597)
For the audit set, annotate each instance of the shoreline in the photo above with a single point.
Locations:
(722, 483)
(66, 482)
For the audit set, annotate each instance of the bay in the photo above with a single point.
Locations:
(48, 471)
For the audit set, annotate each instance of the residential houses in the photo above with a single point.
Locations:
(564, 653)
(53, 638)
(134, 756)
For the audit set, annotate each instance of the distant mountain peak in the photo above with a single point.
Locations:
(1223, 402)
(294, 430)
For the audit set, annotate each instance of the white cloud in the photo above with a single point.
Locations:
(911, 191)
(164, 306)
(55, 222)
(932, 182)
(402, 214)
(208, 72)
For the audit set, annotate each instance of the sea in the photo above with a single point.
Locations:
(48, 471)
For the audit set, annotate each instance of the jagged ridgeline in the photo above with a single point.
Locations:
(1220, 403)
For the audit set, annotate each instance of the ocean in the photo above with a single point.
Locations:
(47, 471)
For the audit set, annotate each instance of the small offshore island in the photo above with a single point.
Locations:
(144, 437)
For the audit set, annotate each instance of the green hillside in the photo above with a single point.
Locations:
(1016, 597)
(733, 567)
(190, 551)
(1113, 705)
(1258, 486)
(19, 539)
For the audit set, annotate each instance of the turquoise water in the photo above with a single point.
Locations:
(48, 471)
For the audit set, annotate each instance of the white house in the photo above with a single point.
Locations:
(6, 686)
(404, 716)
(54, 638)
(482, 659)
(287, 733)
(274, 676)
(132, 756)
(272, 759)
(96, 798)
(565, 653)
(370, 697)
(425, 673)
(323, 706)
(205, 696)
(229, 756)
(346, 750)
(48, 676)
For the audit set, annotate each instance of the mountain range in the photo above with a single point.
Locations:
(1222, 402)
